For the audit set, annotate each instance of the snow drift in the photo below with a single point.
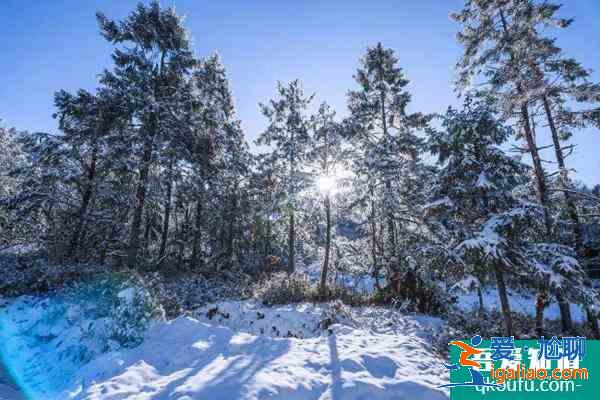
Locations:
(189, 359)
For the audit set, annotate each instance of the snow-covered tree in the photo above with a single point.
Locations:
(384, 133)
(499, 63)
(11, 157)
(87, 122)
(328, 157)
(559, 88)
(152, 59)
(288, 133)
(473, 188)
(481, 208)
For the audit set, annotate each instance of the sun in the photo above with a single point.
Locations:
(326, 184)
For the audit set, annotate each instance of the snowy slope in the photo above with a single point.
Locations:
(307, 320)
(46, 339)
(189, 359)
(77, 343)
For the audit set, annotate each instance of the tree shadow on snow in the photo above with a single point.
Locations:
(230, 367)
(336, 370)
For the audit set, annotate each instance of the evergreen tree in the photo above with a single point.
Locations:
(384, 133)
(288, 133)
(152, 59)
(86, 121)
(328, 156)
(11, 157)
(474, 187)
(494, 55)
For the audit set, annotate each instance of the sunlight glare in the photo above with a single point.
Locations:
(326, 184)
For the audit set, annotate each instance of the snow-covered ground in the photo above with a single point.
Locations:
(45, 339)
(59, 347)
(189, 359)
(523, 303)
(95, 341)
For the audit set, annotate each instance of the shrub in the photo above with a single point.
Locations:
(283, 288)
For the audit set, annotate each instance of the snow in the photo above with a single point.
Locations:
(19, 249)
(445, 201)
(46, 339)
(60, 348)
(307, 320)
(523, 303)
(189, 359)
(483, 181)
(127, 295)
(466, 284)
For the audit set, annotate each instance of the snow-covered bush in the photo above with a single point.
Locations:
(283, 288)
(45, 339)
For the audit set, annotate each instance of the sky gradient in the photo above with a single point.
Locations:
(52, 45)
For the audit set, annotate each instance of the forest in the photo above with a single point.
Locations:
(152, 176)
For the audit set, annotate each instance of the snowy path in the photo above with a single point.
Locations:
(188, 359)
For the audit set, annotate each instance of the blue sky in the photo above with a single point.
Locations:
(51, 45)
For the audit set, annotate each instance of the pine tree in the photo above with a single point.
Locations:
(268, 199)
(384, 132)
(11, 158)
(86, 121)
(152, 58)
(556, 82)
(493, 54)
(288, 133)
(328, 156)
(474, 187)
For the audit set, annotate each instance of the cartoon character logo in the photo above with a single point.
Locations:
(468, 351)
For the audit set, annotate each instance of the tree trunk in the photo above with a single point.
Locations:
(182, 233)
(540, 305)
(390, 223)
(564, 179)
(481, 305)
(593, 323)
(147, 232)
(327, 244)
(373, 224)
(268, 237)
(504, 300)
(197, 243)
(291, 244)
(232, 222)
(565, 313)
(540, 178)
(167, 217)
(571, 207)
(167, 211)
(87, 196)
(134, 236)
